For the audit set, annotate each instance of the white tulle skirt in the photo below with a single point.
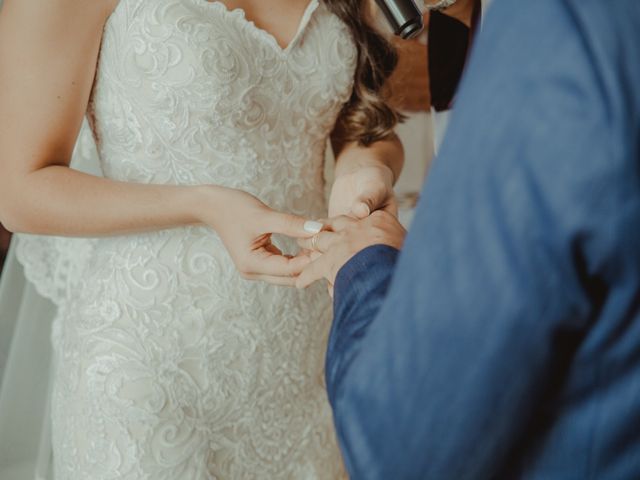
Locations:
(25, 327)
(27, 312)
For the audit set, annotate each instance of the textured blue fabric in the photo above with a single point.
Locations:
(508, 343)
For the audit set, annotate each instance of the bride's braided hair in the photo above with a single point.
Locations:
(367, 117)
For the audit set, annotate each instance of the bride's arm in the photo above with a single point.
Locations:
(48, 56)
(365, 175)
(388, 153)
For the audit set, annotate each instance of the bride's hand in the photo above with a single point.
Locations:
(362, 190)
(245, 225)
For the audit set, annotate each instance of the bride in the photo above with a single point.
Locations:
(211, 120)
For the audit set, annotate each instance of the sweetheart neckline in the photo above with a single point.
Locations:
(240, 14)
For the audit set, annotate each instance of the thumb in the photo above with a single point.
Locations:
(368, 201)
(293, 226)
(373, 196)
(361, 209)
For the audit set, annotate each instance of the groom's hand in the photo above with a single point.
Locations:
(344, 237)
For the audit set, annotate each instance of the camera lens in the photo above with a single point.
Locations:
(404, 17)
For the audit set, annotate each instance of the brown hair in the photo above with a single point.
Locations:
(367, 117)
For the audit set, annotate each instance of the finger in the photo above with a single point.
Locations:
(361, 210)
(320, 242)
(313, 272)
(373, 196)
(274, 280)
(265, 263)
(271, 248)
(338, 224)
(310, 253)
(292, 225)
(392, 207)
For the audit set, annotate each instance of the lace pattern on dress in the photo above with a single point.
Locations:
(169, 364)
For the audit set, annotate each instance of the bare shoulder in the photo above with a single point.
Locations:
(59, 11)
(48, 55)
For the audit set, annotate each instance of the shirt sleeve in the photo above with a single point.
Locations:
(360, 289)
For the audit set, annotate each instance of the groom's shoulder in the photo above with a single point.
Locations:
(608, 29)
(610, 32)
(599, 40)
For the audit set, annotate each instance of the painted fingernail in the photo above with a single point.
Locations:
(312, 227)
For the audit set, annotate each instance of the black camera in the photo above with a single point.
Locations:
(404, 16)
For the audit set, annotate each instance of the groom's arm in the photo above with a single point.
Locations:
(490, 296)
(360, 289)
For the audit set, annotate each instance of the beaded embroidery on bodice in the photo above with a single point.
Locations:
(169, 365)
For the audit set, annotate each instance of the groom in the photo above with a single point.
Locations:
(507, 345)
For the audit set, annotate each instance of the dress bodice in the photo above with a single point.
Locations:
(190, 92)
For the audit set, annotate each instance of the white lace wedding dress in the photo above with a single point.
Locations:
(168, 364)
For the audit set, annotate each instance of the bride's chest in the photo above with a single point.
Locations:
(161, 49)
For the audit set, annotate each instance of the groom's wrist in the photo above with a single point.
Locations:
(359, 292)
(366, 267)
